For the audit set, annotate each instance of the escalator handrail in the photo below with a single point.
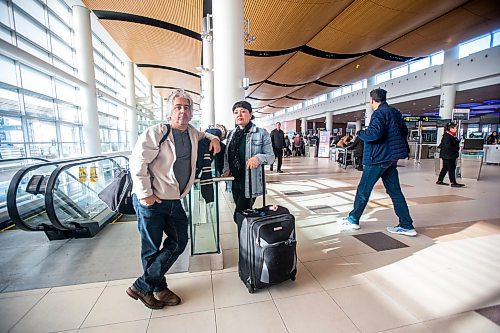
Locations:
(14, 185)
(49, 191)
(7, 160)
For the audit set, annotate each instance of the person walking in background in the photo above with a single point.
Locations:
(287, 152)
(162, 173)
(278, 143)
(248, 147)
(449, 152)
(492, 139)
(384, 145)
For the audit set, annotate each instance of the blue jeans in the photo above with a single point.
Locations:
(166, 217)
(389, 174)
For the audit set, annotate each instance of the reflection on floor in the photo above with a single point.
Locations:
(443, 280)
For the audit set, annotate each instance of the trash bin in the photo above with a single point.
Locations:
(312, 151)
(438, 163)
(471, 163)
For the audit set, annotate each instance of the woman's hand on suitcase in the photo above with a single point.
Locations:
(253, 163)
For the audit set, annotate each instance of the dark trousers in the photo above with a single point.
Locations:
(389, 174)
(278, 153)
(169, 218)
(449, 166)
(241, 203)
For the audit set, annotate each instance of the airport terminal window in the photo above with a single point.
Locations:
(67, 112)
(382, 77)
(66, 92)
(9, 101)
(357, 86)
(400, 71)
(5, 35)
(60, 28)
(420, 64)
(36, 81)
(60, 8)
(28, 28)
(37, 106)
(63, 50)
(476, 45)
(8, 69)
(33, 7)
(437, 59)
(496, 39)
(4, 14)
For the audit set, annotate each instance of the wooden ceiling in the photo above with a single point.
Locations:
(315, 45)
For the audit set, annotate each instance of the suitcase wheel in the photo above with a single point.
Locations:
(292, 278)
(251, 288)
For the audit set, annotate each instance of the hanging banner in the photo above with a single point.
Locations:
(93, 174)
(324, 144)
(82, 174)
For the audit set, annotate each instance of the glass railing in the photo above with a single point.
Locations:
(72, 200)
(204, 218)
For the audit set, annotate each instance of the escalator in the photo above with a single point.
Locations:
(73, 205)
(55, 198)
(8, 167)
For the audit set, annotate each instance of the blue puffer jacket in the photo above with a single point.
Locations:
(385, 138)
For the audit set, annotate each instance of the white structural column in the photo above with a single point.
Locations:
(131, 112)
(329, 121)
(368, 110)
(448, 88)
(86, 73)
(207, 81)
(314, 126)
(229, 62)
(303, 125)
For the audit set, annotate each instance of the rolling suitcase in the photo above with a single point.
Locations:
(267, 245)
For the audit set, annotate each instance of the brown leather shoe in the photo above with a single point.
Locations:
(168, 297)
(148, 300)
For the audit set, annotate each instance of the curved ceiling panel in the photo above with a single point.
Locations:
(367, 25)
(303, 68)
(310, 90)
(171, 79)
(146, 44)
(280, 24)
(362, 68)
(185, 13)
(473, 19)
(268, 91)
(259, 69)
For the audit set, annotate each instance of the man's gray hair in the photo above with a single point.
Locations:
(179, 93)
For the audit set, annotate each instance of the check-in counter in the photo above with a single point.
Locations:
(471, 162)
(491, 153)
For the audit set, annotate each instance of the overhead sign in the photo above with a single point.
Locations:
(460, 114)
(421, 118)
(324, 144)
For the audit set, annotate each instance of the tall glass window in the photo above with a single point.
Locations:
(476, 45)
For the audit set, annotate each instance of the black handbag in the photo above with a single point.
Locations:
(118, 195)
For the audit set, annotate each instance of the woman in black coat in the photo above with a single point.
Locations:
(450, 147)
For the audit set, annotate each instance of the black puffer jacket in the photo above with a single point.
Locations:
(450, 146)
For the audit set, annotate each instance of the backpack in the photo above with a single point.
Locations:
(118, 195)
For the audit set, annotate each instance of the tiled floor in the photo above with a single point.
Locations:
(436, 282)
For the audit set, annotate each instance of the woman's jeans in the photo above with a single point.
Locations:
(449, 166)
(389, 174)
(153, 221)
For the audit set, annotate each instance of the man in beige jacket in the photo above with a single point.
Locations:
(162, 175)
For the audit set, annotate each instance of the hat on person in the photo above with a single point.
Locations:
(244, 105)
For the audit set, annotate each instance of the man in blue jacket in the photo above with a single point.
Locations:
(385, 143)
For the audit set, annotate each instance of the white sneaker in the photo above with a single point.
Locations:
(402, 231)
(347, 225)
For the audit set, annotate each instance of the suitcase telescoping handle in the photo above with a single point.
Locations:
(263, 186)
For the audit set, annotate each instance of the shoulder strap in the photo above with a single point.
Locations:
(165, 136)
